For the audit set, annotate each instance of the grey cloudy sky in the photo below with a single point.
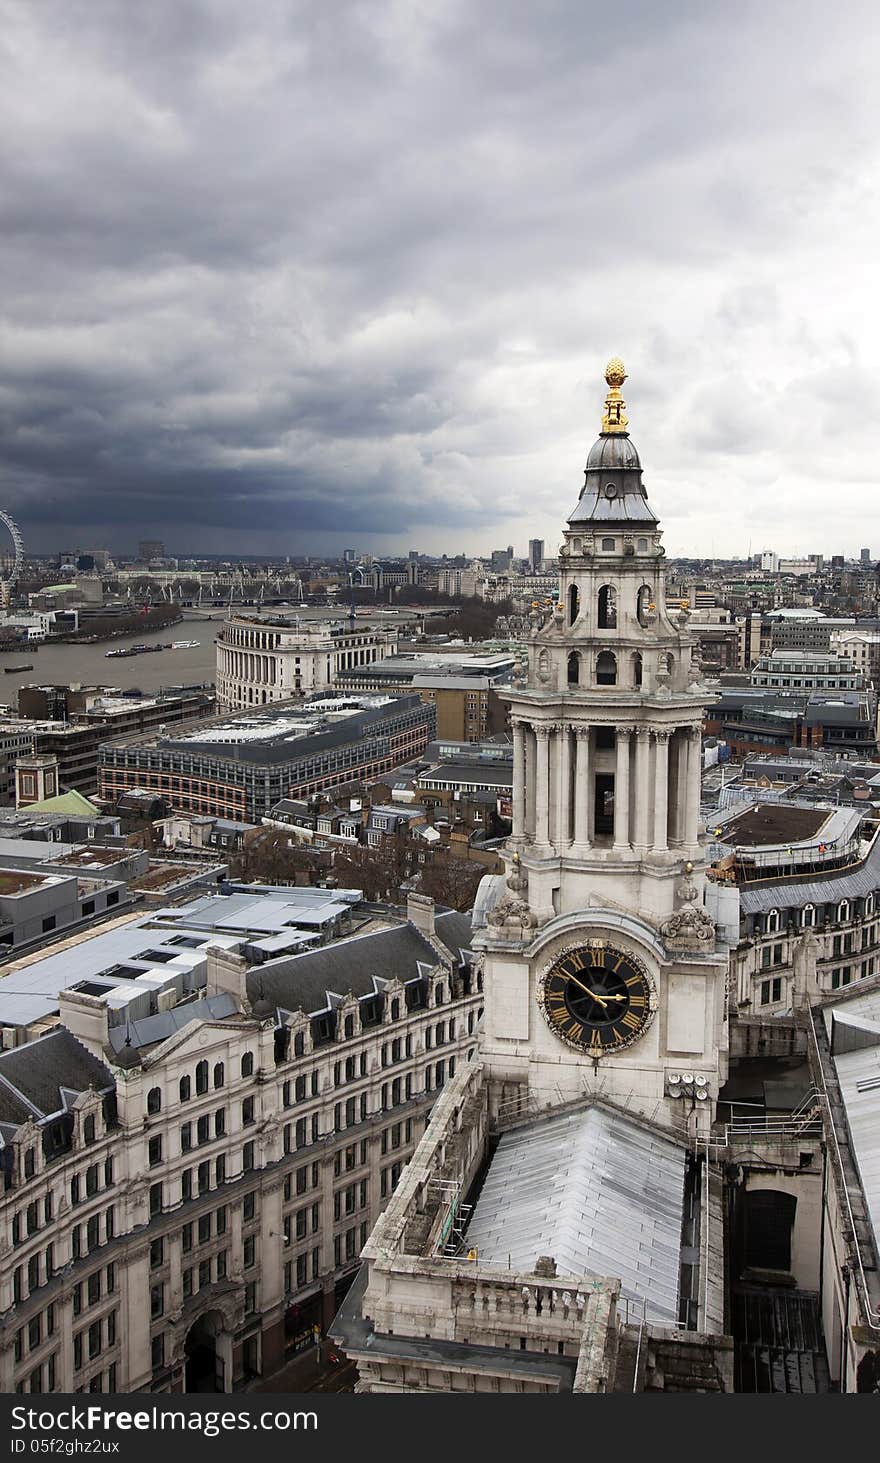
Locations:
(292, 276)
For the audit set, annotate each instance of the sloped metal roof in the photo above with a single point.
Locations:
(151, 1029)
(858, 1073)
(844, 884)
(596, 1191)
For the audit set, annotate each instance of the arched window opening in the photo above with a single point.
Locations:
(154, 1100)
(219, 1074)
(607, 616)
(201, 1076)
(641, 545)
(644, 605)
(606, 669)
(574, 603)
(185, 1089)
(608, 545)
(772, 925)
(808, 916)
(574, 669)
(843, 911)
(637, 668)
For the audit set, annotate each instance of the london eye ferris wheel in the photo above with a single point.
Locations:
(11, 552)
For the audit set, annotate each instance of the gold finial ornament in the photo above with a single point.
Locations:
(615, 418)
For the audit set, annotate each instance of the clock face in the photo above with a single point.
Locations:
(597, 999)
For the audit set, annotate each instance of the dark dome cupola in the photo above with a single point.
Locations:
(613, 491)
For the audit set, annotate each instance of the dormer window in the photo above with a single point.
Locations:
(808, 916)
(772, 923)
(843, 911)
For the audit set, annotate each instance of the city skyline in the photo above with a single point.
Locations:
(264, 282)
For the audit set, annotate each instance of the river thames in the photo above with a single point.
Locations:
(88, 665)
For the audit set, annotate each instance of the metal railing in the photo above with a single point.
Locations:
(805, 1121)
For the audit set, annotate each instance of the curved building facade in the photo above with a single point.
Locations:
(261, 660)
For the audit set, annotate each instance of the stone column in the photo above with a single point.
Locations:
(563, 788)
(519, 779)
(691, 801)
(661, 788)
(542, 784)
(641, 832)
(679, 817)
(582, 790)
(621, 789)
(529, 779)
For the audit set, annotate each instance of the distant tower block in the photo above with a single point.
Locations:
(36, 778)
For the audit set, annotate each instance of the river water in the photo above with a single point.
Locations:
(88, 665)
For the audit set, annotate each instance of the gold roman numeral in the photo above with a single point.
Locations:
(575, 1031)
(597, 956)
(630, 1021)
(633, 980)
(595, 1042)
(637, 1001)
(576, 961)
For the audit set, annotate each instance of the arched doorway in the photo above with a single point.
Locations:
(204, 1365)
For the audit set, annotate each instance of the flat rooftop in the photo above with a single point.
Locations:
(13, 881)
(771, 823)
(280, 726)
(599, 1193)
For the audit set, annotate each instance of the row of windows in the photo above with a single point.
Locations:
(347, 1158)
(43, 1378)
(298, 1088)
(199, 1232)
(185, 1087)
(100, 1336)
(196, 1277)
(350, 1199)
(303, 1221)
(296, 1272)
(94, 1288)
(86, 1186)
(349, 1245)
(841, 975)
(199, 1180)
(39, 1329)
(808, 915)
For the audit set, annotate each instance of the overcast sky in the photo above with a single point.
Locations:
(288, 277)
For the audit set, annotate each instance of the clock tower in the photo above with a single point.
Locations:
(601, 966)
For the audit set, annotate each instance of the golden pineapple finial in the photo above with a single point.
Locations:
(615, 418)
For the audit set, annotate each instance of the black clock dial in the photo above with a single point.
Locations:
(597, 999)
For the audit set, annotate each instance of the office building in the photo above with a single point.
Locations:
(241, 765)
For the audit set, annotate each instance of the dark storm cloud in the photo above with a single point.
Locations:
(276, 275)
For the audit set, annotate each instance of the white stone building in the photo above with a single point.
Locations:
(194, 1153)
(260, 660)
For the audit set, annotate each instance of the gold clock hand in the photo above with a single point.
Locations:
(579, 983)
